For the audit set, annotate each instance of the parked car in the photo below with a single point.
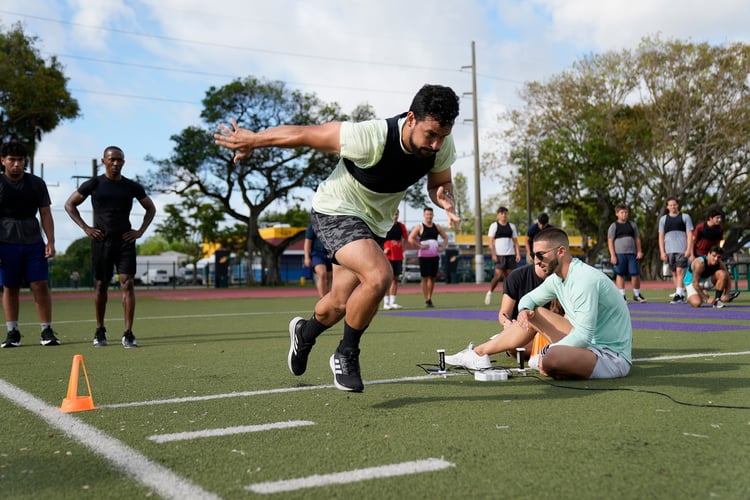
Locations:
(605, 266)
(155, 277)
(411, 273)
(187, 276)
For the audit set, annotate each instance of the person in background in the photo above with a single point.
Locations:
(625, 253)
(23, 252)
(520, 281)
(394, 250)
(709, 270)
(708, 234)
(316, 257)
(595, 337)
(506, 253)
(112, 237)
(542, 222)
(425, 237)
(675, 245)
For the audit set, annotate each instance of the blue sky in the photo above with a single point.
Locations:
(139, 69)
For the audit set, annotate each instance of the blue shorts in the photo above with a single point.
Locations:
(22, 264)
(320, 260)
(627, 265)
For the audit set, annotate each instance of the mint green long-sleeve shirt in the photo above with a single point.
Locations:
(592, 304)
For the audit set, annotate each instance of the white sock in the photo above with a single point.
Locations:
(680, 292)
(636, 291)
(622, 291)
(12, 325)
(393, 299)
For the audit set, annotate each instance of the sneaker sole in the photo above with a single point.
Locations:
(11, 344)
(332, 363)
(100, 344)
(49, 342)
(292, 324)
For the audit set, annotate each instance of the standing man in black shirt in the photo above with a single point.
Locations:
(23, 253)
(112, 237)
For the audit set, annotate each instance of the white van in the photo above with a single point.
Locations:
(155, 277)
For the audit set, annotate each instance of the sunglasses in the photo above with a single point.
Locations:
(540, 255)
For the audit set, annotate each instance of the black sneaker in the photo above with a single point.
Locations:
(12, 340)
(100, 337)
(429, 304)
(677, 299)
(128, 340)
(299, 350)
(345, 368)
(639, 298)
(733, 296)
(48, 337)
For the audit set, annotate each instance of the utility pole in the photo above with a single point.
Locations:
(478, 246)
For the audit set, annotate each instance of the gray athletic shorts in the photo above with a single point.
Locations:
(609, 364)
(336, 231)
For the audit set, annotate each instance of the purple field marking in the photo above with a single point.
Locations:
(654, 322)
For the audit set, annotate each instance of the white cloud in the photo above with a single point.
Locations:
(348, 51)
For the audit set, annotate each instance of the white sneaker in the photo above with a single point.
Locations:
(469, 359)
(534, 362)
(396, 306)
(488, 299)
(387, 307)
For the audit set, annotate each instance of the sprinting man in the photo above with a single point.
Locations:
(354, 206)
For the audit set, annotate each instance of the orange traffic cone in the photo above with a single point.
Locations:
(74, 402)
(539, 343)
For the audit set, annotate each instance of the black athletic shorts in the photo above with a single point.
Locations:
(110, 253)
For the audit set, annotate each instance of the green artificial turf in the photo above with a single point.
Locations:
(524, 438)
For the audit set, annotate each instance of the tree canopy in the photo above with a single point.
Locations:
(667, 119)
(244, 190)
(33, 94)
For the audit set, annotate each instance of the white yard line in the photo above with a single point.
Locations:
(688, 356)
(352, 476)
(161, 480)
(227, 431)
(266, 392)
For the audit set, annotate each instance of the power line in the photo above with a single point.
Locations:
(227, 46)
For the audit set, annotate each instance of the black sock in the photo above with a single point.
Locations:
(312, 330)
(351, 338)
(719, 293)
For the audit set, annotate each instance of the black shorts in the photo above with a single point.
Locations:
(336, 231)
(505, 262)
(398, 267)
(111, 253)
(428, 266)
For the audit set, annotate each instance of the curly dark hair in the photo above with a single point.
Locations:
(437, 102)
(14, 148)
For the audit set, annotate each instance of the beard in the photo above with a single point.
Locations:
(421, 152)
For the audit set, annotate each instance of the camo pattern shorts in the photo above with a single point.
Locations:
(336, 231)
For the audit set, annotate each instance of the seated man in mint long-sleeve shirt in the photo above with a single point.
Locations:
(594, 339)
